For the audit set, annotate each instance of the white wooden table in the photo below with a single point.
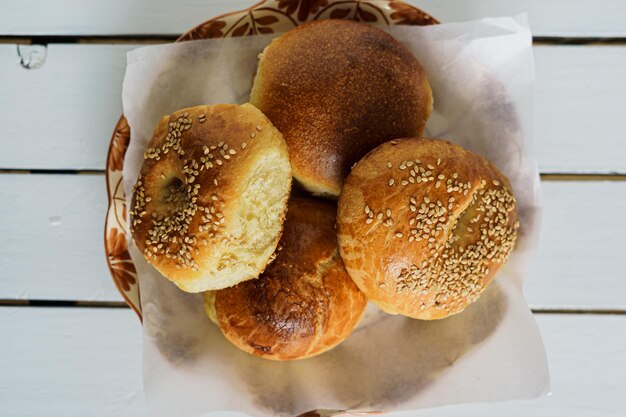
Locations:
(70, 347)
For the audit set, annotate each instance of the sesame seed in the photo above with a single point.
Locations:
(253, 134)
(258, 127)
(391, 182)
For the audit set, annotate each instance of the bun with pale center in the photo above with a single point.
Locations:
(424, 225)
(337, 89)
(208, 206)
(304, 303)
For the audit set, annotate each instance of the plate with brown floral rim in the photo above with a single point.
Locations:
(265, 17)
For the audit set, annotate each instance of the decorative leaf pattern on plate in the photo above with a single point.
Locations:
(264, 24)
(122, 267)
(121, 139)
(241, 30)
(339, 13)
(211, 30)
(365, 16)
(405, 14)
(305, 7)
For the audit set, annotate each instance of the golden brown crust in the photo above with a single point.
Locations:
(186, 207)
(423, 226)
(304, 303)
(336, 89)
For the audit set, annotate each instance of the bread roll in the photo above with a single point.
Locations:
(304, 303)
(423, 226)
(337, 89)
(208, 206)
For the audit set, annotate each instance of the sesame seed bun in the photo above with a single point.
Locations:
(337, 89)
(208, 207)
(423, 226)
(304, 303)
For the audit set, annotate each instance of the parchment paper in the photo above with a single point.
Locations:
(482, 75)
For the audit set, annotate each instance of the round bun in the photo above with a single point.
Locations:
(211, 196)
(423, 226)
(337, 89)
(304, 303)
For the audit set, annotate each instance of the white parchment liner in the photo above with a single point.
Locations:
(482, 77)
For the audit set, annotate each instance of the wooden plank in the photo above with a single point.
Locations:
(70, 362)
(77, 362)
(580, 262)
(52, 232)
(54, 225)
(581, 18)
(580, 108)
(61, 115)
(115, 17)
(66, 110)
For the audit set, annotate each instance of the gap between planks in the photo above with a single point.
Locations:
(121, 304)
(53, 171)
(62, 303)
(151, 39)
(544, 177)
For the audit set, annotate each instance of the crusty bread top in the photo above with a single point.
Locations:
(336, 89)
(186, 209)
(423, 225)
(304, 303)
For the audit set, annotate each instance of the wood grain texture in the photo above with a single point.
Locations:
(78, 362)
(52, 232)
(581, 260)
(54, 225)
(120, 17)
(580, 111)
(61, 115)
(571, 18)
(70, 362)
